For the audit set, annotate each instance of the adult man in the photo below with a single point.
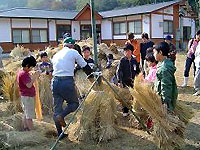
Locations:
(146, 43)
(63, 87)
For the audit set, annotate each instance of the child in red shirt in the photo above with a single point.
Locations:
(27, 90)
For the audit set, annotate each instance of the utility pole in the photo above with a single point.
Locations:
(94, 34)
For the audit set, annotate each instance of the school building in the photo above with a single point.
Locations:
(37, 29)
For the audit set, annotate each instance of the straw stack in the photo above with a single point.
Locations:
(113, 48)
(169, 129)
(46, 94)
(110, 72)
(184, 112)
(98, 118)
(10, 91)
(13, 66)
(81, 81)
(19, 52)
(51, 51)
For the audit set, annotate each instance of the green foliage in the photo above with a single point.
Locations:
(100, 5)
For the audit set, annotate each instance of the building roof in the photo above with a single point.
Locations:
(37, 13)
(71, 15)
(137, 10)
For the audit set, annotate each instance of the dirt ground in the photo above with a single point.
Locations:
(128, 138)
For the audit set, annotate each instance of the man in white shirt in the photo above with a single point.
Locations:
(63, 86)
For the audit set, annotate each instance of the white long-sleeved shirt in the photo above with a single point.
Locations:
(64, 62)
(197, 56)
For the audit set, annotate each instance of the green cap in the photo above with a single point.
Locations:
(69, 40)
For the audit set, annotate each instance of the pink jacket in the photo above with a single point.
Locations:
(192, 47)
(152, 74)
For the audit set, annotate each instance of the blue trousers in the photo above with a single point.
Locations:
(63, 89)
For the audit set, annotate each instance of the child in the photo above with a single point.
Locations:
(86, 56)
(27, 90)
(151, 77)
(151, 61)
(45, 67)
(165, 83)
(109, 61)
(127, 70)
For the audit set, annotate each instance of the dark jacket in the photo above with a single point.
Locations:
(144, 47)
(127, 70)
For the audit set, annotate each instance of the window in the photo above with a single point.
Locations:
(39, 35)
(119, 28)
(135, 27)
(186, 33)
(61, 30)
(168, 27)
(21, 36)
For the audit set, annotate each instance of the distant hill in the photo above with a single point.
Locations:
(101, 5)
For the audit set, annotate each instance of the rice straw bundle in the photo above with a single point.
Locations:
(113, 48)
(169, 129)
(109, 73)
(81, 81)
(13, 66)
(184, 112)
(51, 51)
(125, 93)
(20, 52)
(10, 91)
(46, 94)
(98, 118)
(2, 73)
(104, 50)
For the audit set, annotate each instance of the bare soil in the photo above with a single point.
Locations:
(42, 138)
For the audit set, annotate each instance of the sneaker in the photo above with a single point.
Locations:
(197, 93)
(61, 120)
(184, 85)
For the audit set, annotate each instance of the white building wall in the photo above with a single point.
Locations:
(39, 23)
(52, 30)
(157, 26)
(146, 24)
(76, 30)
(193, 27)
(20, 23)
(106, 30)
(63, 22)
(5, 30)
